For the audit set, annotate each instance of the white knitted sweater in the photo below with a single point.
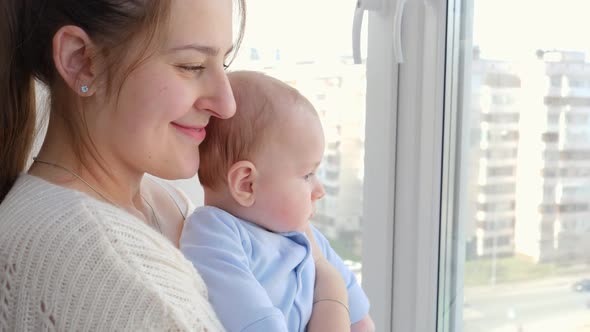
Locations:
(71, 263)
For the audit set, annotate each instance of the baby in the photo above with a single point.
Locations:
(258, 170)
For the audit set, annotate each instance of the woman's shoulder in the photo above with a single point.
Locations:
(170, 203)
(35, 207)
(167, 192)
(43, 216)
(48, 218)
(33, 203)
(97, 251)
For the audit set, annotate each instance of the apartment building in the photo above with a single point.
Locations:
(554, 225)
(493, 149)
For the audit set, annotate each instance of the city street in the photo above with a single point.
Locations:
(547, 305)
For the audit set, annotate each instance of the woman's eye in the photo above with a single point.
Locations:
(191, 68)
(225, 66)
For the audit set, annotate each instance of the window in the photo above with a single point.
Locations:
(576, 118)
(577, 190)
(501, 117)
(575, 82)
(550, 137)
(455, 200)
(499, 171)
(511, 235)
(556, 81)
(498, 188)
(497, 241)
(575, 155)
(324, 73)
(331, 175)
(502, 136)
(575, 172)
(497, 224)
(550, 155)
(307, 44)
(549, 172)
(567, 101)
(501, 153)
(500, 99)
(572, 207)
(500, 206)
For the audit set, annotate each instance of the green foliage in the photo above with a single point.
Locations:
(517, 268)
(345, 250)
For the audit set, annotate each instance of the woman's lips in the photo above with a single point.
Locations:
(196, 133)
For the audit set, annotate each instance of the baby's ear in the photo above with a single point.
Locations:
(240, 179)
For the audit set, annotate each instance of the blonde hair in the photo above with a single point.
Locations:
(260, 101)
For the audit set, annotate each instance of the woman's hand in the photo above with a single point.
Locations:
(316, 252)
(330, 308)
(364, 325)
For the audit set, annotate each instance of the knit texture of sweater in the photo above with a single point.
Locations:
(69, 262)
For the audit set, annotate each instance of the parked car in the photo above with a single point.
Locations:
(581, 285)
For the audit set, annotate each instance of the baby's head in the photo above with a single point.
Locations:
(260, 164)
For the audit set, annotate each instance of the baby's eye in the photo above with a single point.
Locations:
(308, 176)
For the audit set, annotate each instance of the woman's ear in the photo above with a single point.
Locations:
(240, 179)
(73, 55)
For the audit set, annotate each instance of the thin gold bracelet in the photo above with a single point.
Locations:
(335, 301)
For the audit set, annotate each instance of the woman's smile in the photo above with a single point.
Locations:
(197, 133)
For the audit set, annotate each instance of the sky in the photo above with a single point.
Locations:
(504, 29)
(514, 29)
(301, 28)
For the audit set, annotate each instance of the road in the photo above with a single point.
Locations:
(547, 305)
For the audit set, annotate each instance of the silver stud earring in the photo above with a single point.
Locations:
(84, 88)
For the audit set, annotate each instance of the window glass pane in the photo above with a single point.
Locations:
(307, 43)
(523, 259)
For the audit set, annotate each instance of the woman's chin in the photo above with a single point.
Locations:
(186, 172)
(183, 169)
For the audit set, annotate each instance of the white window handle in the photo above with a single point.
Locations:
(400, 5)
(377, 5)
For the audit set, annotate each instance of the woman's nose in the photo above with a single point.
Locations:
(219, 99)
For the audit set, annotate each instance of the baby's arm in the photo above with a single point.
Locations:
(214, 247)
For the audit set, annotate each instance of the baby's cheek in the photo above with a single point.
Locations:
(283, 210)
(286, 213)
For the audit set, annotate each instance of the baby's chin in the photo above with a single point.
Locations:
(299, 228)
(302, 227)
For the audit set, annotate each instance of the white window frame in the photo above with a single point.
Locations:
(379, 179)
(406, 192)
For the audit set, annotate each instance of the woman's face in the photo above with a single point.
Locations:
(165, 104)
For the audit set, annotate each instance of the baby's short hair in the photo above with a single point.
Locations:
(260, 99)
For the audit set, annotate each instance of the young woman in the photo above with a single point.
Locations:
(86, 241)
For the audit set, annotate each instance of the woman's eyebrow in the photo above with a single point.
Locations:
(207, 50)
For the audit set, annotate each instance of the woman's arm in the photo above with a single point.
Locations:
(330, 309)
(357, 299)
